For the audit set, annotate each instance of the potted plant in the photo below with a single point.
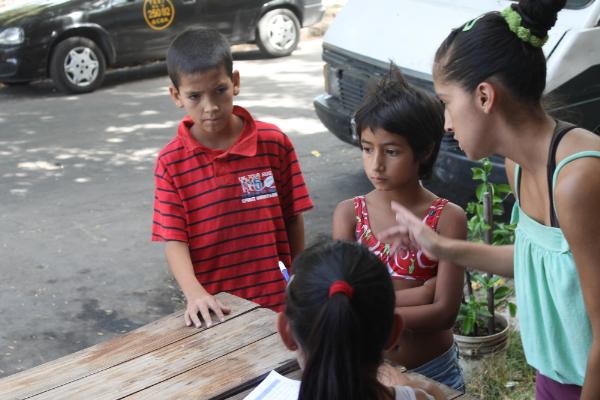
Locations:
(479, 328)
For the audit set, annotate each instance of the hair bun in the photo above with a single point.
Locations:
(539, 15)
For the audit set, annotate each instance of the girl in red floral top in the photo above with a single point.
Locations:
(400, 129)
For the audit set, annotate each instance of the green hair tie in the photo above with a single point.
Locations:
(513, 19)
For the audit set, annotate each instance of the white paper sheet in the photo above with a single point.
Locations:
(275, 387)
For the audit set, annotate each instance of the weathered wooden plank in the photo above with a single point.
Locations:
(212, 380)
(170, 361)
(86, 362)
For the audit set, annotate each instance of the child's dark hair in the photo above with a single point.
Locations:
(400, 108)
(486, 48)
(342, 336)
(196, 51)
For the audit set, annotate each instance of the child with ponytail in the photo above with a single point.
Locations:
(339, 317)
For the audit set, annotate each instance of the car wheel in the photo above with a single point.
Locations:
(77, 65)
(278, 33)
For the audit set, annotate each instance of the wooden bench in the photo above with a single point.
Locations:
(167, 360)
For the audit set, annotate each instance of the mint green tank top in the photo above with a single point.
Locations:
(555, 328)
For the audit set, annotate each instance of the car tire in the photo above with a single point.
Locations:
(77, 65)
(278, 33)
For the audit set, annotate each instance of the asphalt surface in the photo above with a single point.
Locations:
(76, 190)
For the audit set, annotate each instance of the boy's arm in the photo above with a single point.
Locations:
(344, 221)
(197, 298)
(295, 231)
(441, 314)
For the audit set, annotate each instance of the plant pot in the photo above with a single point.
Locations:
(480, 346)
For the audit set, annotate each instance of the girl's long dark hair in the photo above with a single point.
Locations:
(342, 338)
(490, 50)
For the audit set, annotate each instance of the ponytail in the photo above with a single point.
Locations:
(342, 335)
(334, 363)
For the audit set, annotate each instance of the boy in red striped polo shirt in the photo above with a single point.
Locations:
(229, 192)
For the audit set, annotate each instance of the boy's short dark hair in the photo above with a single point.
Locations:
(400, 108)
(196, 51)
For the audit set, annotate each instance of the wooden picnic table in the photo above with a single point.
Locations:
(167, 360)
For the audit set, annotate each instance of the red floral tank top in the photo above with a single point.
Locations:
(403, 264)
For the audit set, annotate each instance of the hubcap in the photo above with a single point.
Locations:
(282, 32)
(81, 66)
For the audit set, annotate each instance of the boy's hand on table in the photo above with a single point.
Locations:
(202, 303)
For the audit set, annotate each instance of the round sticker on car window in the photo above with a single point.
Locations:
(159, 14)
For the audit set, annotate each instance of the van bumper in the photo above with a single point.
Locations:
(329, 111)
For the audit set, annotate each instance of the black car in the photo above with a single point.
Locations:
(74, 41)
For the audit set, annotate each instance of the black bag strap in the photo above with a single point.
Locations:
(559, 132)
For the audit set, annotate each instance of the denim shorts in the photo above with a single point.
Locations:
(444, 369)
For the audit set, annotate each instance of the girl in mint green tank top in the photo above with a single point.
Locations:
(490, 74)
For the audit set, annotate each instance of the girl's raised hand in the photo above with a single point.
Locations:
(411, 232)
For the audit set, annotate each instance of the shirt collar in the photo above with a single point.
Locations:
(245, 145)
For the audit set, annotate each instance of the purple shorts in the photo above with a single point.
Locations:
(549, 389)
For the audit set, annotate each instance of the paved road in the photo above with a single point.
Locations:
(76, 184)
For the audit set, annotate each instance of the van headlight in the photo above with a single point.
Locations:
(332, 80)
(12, 36)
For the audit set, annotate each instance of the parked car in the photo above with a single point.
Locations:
(74, 41)
(361, 41)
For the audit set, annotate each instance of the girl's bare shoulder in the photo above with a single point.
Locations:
(345, 207)
(453, 221)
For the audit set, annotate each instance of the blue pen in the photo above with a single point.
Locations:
(284, 271)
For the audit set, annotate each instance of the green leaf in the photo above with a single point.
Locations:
(485, 313)
(478, 173)
(467, 326)
(501, 292)
(487, 166)
(503, 188)
(493, 280)
(512, 309)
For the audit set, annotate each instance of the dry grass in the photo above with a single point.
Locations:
(503, 376)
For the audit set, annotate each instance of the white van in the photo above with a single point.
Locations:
(367, 35)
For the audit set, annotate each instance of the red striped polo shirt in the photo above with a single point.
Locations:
(231, 207)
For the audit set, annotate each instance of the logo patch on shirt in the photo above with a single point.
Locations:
(258, 186)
